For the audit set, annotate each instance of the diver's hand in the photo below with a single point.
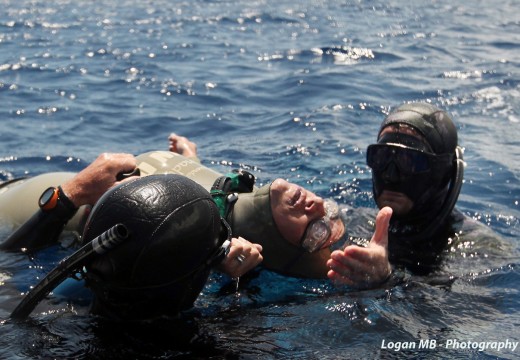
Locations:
(243, 256)
(364, 267)
(93, 181)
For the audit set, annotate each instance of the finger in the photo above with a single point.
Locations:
(341, 257)
(242, 257)
(359, 253)
(251, 261)
(249, 256)
(339, 279)
(356, 263)
(130, 161)
(382, 223)
(130, 178)
(235, 250)
(342, 267)
(120, 163)
(123, 175)
(241, 264)
(356, 271)
(245, 243)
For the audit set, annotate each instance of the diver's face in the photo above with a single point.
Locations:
(400, 203)
(293, 209)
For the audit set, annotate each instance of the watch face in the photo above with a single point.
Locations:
(46, 196)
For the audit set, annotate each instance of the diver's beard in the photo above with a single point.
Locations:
(413, 199)
(400, 203)
(419, 217)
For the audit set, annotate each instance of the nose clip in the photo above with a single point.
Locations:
(391, 173)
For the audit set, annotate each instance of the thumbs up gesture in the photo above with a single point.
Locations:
(364, 267)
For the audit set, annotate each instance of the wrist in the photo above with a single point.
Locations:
(67, 201)
(72, 193)
(55, 201)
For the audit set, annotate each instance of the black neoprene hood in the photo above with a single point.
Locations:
(431, 122)
(174, 228)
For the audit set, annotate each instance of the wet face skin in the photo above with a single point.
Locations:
(293, 209)
(399, 202)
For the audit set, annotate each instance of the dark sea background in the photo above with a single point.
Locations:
(293, 89)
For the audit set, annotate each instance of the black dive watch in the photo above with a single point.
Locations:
(53, 200)
(45, 226)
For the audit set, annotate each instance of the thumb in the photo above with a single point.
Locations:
(382, 222)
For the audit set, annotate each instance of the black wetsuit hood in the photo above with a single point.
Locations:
(434, 194)
(174, 228)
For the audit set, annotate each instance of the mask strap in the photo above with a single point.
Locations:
(451, 197)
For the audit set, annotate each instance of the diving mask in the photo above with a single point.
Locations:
(410, 161)
(319, 231)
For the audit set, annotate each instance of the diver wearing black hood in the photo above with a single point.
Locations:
(417, 170)
(176, 236)
(149, 246)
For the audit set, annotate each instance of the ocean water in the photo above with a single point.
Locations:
(283, 89)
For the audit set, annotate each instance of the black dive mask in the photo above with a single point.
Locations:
(403, 163)
(408, 161)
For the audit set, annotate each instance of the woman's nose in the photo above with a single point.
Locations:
(315, 207)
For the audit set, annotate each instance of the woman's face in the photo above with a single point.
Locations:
(294, 208)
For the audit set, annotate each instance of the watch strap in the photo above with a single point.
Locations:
(65, 200)
(64, 209)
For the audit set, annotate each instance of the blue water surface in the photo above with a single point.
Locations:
(293, 89)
